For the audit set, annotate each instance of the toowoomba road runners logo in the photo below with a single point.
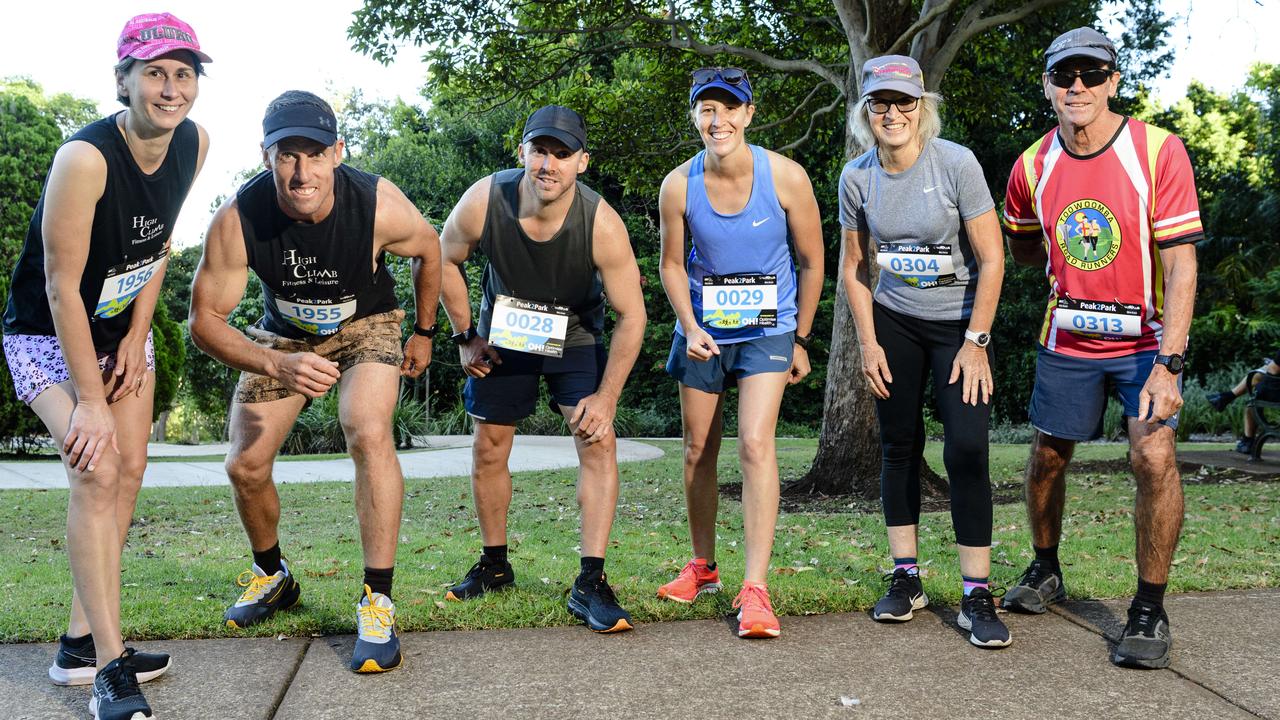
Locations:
(1088, 235)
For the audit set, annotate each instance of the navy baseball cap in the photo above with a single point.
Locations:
(1080, 42)
(731, 79)
(311, 119)
(559, 122)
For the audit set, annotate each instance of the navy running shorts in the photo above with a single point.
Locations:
(771, 353)
(1070, 394)
(510, 391)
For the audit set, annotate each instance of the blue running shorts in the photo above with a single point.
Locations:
(510, 392)
(771, 353)
(1070, 394)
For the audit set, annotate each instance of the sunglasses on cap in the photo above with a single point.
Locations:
(731, 75)
(1092, 77)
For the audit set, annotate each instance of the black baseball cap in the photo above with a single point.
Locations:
(559, 122)
(1080, 42)
(313, 120)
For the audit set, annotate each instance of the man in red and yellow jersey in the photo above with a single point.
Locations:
(1107, 206)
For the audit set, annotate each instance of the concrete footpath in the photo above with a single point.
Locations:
(443, 456)
(1225, 665)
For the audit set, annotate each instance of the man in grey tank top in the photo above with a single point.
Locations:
(553, 246)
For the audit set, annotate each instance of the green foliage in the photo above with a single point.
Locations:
(171, 355)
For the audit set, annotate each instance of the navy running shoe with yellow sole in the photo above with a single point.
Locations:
(485, 576)
(263, 595)
(76, 663)
(377, 645)
(593, 602)
(115, 692)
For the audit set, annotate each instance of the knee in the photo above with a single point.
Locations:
(698, 452)
(756, 448)
(368, 439)
(489, 452)
(98, 487)
(131, 471)
(247, 474)
(1153, 465)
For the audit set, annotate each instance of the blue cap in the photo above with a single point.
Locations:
(742, 90)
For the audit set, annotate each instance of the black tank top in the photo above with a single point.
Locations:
(560, 270)
(132, 223)
(316, 277)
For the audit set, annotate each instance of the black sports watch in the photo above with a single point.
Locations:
(465, 336)
(1173, 363)
(804, 340)
(428, 332)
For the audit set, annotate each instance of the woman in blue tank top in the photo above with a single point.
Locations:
(744, 316)
(77, 330)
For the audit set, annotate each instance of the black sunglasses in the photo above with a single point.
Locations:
(1092, 77)
(879, 106)
(731, 75)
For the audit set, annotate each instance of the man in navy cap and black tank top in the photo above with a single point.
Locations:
(316, 233)
(555, 250)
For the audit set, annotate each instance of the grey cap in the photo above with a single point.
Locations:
(893, 72)
(1080, 42)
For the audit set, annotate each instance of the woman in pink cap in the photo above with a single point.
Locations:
(77, 330)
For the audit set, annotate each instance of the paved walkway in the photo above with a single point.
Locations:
(444, 456)
(831, 666)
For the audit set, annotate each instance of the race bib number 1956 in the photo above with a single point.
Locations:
(124, 282)
(528, 326)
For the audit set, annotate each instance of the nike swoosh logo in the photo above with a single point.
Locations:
(931, 189)
(758, 223)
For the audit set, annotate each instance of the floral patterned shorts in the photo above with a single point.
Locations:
(36, 363)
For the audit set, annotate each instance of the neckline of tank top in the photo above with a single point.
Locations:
(524, 235)
(162, 170)
(750, 196)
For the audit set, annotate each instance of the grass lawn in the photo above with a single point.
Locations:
(186, 548)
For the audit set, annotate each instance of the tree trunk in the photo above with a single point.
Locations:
(158, 427)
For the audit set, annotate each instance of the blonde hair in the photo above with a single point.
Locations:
(927, 128)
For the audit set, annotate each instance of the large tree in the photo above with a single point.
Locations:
(806, 56)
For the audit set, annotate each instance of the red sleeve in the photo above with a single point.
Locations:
(1176, 219)
(1019, 218)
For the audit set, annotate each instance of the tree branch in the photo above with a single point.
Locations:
(971, 25)
(693, 44)
(813, 119)
(929, 16)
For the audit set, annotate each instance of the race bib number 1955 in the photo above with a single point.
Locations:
(317, 317)
(528, 326)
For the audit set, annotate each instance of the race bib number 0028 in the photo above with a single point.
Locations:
(528, 326)
(124, 282)
(317, 317)
(1100, 318)
(921, 266)
(733, 302)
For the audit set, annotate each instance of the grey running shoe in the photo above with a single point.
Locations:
(1146, 639)
(1037, 589)
(978, 616)
(904, 596)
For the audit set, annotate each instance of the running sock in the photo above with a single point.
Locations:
(906, 563)
(77, 643)
(710, 565)
(974, 582)
(497, 554)
(592, 568)
(379, 579)
(1048, 556)
(268, 560)
(1150, 593)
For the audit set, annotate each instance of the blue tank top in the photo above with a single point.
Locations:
(754, 241)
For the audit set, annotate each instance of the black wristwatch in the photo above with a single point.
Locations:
(465, 336)
(427, 333)
(1173, 363)
(804, 340)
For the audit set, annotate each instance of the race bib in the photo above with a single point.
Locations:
(1097, 318)
(124, 282)
(921, 266)
(733, 302)
(527, 326)
(317, 317)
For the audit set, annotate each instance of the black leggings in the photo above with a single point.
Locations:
(913, 347)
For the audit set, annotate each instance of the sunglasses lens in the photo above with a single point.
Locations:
(1090, 78)
(1094, 78)
(733, 75)
(704, 75)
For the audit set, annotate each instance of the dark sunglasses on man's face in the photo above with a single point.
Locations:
(1092, 77)
(731, 75)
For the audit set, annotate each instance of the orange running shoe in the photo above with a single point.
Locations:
(755, 612)
(694, 579)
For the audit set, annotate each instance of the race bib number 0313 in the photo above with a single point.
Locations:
(1098, 318)
(317, 317)
(124, 282)
(733, 302)
(527, 326)
(921, 266)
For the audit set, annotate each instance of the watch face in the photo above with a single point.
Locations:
(1175, 364)
(983, 339)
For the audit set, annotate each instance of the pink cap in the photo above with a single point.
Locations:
(154, 34)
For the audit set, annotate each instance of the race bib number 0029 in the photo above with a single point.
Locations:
(921, 266)
(317, 317)
(124, 282)
(528, 326)
(733, 302)
(1100, 318)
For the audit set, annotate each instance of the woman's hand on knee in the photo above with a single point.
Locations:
(91, 431)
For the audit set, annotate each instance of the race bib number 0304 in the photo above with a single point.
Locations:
(317, 317)
(733, 302)
(1098, 318)
(124, 282)
(528, 326)
(921, 266)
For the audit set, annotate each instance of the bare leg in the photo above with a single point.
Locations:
(366, 400)
(257, 432)
(902, 540)
(759, 397)
(975, 562)
(491, 479)
(702, 417)
(597, 489)
(1158, 502)
(1046, 487)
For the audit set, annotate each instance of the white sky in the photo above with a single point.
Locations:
(264, 47)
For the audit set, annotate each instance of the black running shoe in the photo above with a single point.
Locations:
(483, 577)
(904, 596)
(1220, 401)
(1037, 589)
(115, 692)
(263, 595)
(1244, 446)
(1146, 639)
(978, 616)
(77, 665)
(593, 602)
